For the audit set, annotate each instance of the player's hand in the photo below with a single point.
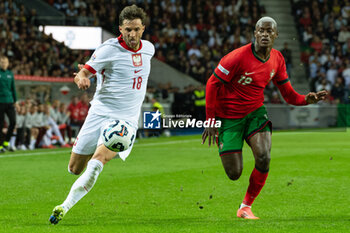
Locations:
(83, 83)
(211, 133)
(80, 66)
(313, 97)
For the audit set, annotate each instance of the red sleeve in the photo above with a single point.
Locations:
(89, 68)
(212, 88)
(281, 76)
(281, 80)
(290, 95)
(69, 107)
(227, 67)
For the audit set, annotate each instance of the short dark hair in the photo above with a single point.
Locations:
(132, 12)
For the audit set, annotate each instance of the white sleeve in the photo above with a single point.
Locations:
(99, 59)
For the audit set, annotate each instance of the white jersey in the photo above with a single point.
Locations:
(122, 75)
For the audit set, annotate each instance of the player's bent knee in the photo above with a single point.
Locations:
(74, 170)
(263, 160)
(233, 174)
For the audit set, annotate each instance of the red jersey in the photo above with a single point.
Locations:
(245, 77)
(74, 111)
(83, 110)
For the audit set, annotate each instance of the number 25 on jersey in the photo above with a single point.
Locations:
(137, 83)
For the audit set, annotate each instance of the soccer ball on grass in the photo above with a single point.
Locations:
(118, 135)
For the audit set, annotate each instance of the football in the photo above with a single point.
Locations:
(118, 135)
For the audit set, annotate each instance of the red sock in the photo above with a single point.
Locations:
(256, 183)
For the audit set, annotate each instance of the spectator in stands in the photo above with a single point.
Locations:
(346, 72)
(199, 102)
(323, 85)
(20, 127)
(332, 73)
(52, 134)
(156, 106)
(344, 34)
(61, 5)
(40, 122)
(31, 122)
(63, 122)
(27, 127)
(83, 107)
(8, 99)
(54, 110)
(316, 43)
(345, 11)
(74, 112)
(338, 90)
(275, 98)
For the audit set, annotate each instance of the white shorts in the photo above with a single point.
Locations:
(90, 136)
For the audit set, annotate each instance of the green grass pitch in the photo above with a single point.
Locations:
(178, 185)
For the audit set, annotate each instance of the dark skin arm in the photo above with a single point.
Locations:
(211, 133)
(310, 98)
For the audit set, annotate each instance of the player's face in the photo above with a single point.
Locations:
(265, 34)
(4, 63)
(132, 31)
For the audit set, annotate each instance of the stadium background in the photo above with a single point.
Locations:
(190, 38)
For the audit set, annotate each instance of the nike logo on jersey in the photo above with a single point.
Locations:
(136, 71)
(246, 73)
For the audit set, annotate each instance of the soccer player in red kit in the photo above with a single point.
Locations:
(235, 95)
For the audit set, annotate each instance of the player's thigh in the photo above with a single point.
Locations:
(258, 133)
(260, 143)
(77, 162)
(89, 135)
(233, 164)
(104, 154)
(231, 136)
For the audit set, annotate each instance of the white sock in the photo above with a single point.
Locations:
(244, 205)
(83, 184)
(32, 144)
(70, 171)
(13, 141)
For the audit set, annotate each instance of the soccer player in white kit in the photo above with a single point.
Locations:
(123, 64)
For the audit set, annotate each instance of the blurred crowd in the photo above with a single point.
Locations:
(324, 29)
(188, 101)
(47, 125)
(30, 51)
(191, 35)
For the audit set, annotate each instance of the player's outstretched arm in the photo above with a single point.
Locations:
(313, 97)
(212, 87)
(82, 78)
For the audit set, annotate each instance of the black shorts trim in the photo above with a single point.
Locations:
(229, 152)
(262, 126)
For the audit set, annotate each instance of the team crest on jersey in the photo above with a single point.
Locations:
(137, 59)
(272, 73)
(93, 57)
